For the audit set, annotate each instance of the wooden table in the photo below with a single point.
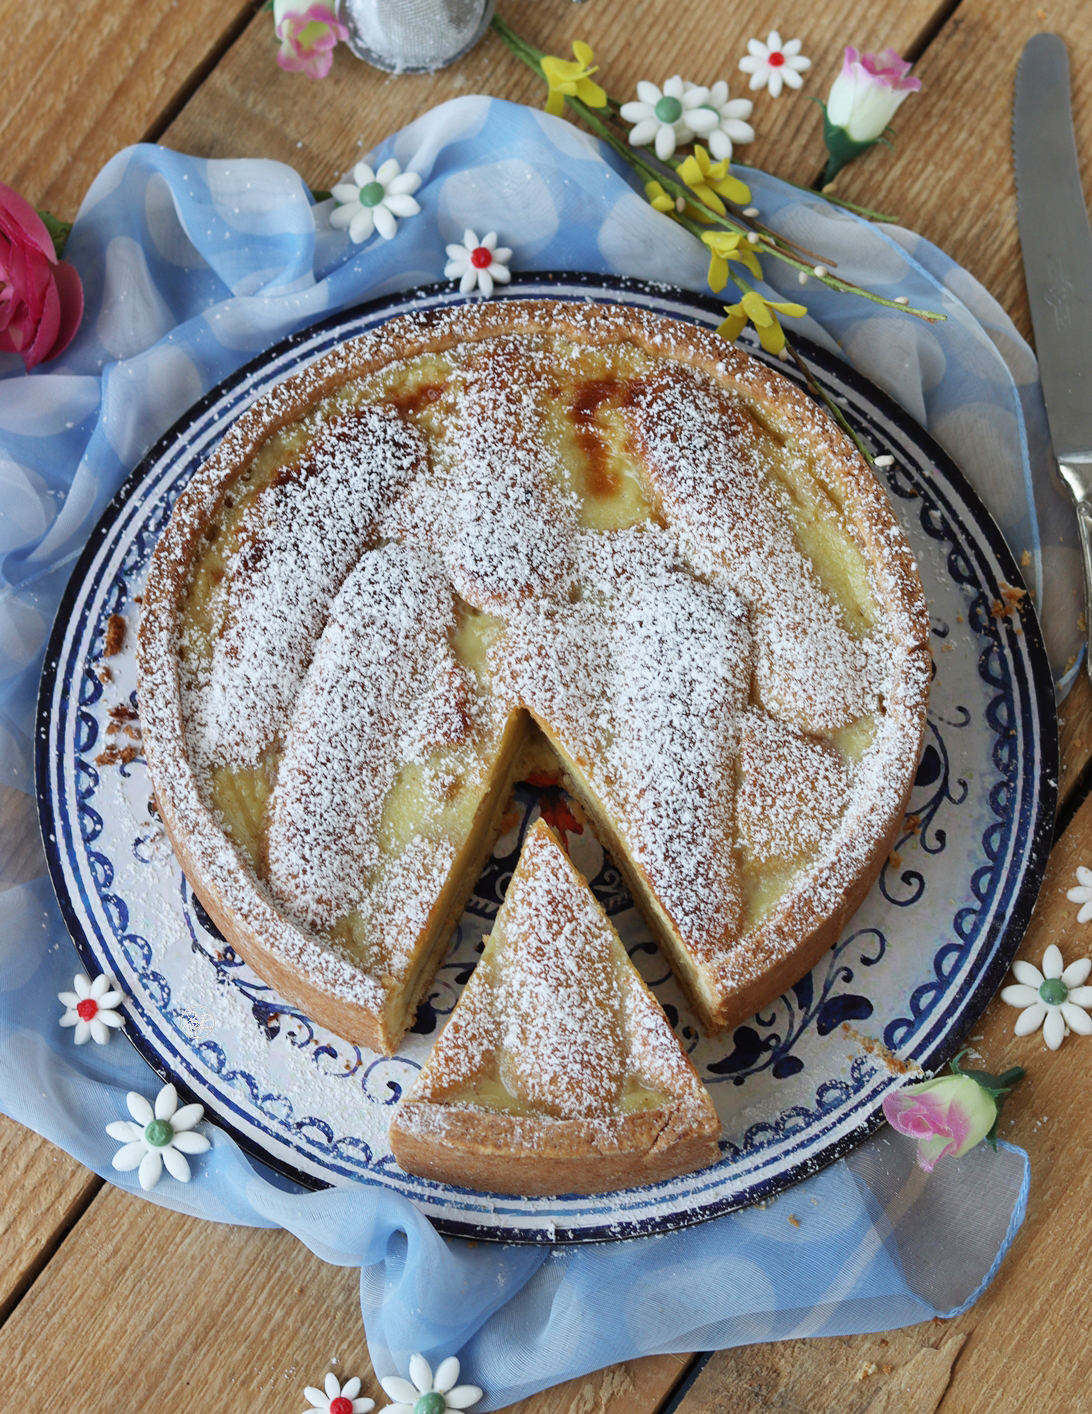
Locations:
(109, 1304)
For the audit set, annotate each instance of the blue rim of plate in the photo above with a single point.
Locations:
(874, 415)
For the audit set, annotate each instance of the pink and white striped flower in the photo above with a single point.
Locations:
(868, 92)
(308, 37)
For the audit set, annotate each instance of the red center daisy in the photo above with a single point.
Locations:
(88, 1009)
(481, 258)
(775, 60)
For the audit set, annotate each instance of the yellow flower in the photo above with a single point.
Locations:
(725, 246)
(659, 198)
(761, 314)
(711, 180)
(573, 80)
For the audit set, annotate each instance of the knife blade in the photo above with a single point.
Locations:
(1056, 242)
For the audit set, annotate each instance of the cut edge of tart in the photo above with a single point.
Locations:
(558, 1071)
(672, 449)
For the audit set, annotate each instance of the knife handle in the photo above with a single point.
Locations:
(1084, 525)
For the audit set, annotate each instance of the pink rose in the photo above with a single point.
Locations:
(308, 38)
(868, 92)
(41, 298)
(946, 1115)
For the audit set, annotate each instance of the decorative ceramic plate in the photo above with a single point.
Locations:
(796, 1086)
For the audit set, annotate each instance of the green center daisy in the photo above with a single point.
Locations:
(1054, 991)
(372, 194)
(668, 110)
(158, 1134)
(431, 1403)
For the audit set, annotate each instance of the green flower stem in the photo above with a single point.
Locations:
(831, 406)
(58, 231)
(880, 217)
(649, 168)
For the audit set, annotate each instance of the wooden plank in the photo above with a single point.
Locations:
(21, 856)
(202, 1316)
(1075, 730)
(903, 1372)
(79, 82)
(960, 191)
(248, 107)
(45, 1194)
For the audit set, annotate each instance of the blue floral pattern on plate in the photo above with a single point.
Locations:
(796, 1086)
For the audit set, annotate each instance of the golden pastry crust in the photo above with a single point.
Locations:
(556, 1023)
(733, 954)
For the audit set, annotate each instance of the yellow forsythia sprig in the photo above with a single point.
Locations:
(760, 312)
(568, 79)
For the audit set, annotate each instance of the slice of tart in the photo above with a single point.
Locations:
(558, 1071)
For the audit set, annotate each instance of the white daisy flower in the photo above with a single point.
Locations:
(772, 64)
(338, 1398)
(1054, 998)
(91, 1008)
(160, 1136)
(731, 125)
(669, 115)
(372, 200)
(1082, 895)
(478, 263)
(427, 1395)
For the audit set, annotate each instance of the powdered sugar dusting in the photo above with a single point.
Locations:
(358, 719)
(793, 791)
(558, 998)
(555, 1010)
(706, 459)
(648, 651)
(302, 535)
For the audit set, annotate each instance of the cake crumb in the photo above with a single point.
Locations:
(795, 1221)
(104, 676)
(1025, 559)
(115, 635)
(865, 1371)
(871, 1046)
(895, 859)
(115, 756)
(1009, 602)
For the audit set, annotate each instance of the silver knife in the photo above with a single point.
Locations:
(1056, 241)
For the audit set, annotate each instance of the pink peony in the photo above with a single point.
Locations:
(308, 38)
(41, 298)
(946, 1115)
(866, 94)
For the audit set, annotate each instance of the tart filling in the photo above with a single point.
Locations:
(604, 523)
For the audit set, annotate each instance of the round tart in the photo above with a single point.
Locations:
(470, 531)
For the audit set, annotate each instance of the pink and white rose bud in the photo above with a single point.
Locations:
(947, 1115)
(308, 36)
(868, 92)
